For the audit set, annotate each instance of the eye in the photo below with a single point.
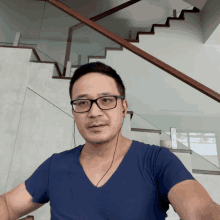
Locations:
(106, 99)
(79, 103)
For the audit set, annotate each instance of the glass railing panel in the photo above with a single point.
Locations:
(21, 16)
(197, 122)
(87, 42)
(54, 35)
(203, 145)
(44, 57)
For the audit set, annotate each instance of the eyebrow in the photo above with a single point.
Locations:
(87, 95)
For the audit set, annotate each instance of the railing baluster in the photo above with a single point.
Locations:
(173, 137)
(17, 39)
(68, 69)
(174, 13)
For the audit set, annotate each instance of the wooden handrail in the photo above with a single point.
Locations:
(172, 71)
(95, 18)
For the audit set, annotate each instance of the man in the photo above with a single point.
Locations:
(110, 176)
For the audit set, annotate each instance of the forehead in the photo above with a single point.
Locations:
(94, 83)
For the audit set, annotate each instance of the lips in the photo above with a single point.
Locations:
(96, 126)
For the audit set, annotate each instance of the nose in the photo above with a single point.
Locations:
(96, 107)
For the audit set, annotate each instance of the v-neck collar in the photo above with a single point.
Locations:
(124, 158)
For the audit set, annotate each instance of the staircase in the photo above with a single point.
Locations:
(152, 32)
(39, 80)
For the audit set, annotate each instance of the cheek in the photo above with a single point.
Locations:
(117, 122)
(80, 124)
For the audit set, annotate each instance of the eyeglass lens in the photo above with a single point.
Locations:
(83, 105)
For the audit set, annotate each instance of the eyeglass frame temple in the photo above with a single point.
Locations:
(95, 100)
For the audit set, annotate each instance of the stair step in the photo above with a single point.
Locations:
(161, 25)
(142, 32)
(146, 130)
(172, 18)
(210, 172)
(180, 151)
(190, 11)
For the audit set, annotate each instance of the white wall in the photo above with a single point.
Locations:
(35, 117)
(197, 3)
(210, 18)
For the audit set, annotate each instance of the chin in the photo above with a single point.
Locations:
(97, 140)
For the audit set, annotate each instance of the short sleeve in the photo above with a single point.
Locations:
(37, 184)
(169, 171)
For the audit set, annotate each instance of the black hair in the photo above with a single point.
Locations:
(100, 68)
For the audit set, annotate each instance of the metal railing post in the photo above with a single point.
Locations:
(79, 59)
(68, 69)
(17, 39)
(130, 35)
(174, 13)
(173, 137)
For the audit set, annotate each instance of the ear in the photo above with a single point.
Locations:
(125, 106)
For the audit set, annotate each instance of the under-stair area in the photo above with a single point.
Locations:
(36, 116)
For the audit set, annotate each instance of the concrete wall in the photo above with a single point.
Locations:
(210, 18)
(197, 3)
(36, 121)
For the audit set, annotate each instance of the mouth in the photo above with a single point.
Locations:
(97, 127)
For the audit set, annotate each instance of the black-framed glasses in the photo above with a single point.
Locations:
(104, 103)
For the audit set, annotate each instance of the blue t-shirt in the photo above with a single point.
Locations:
(137, 190)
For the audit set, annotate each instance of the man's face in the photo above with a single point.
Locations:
(93, 84)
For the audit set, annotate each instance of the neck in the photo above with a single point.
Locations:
(104, 150)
